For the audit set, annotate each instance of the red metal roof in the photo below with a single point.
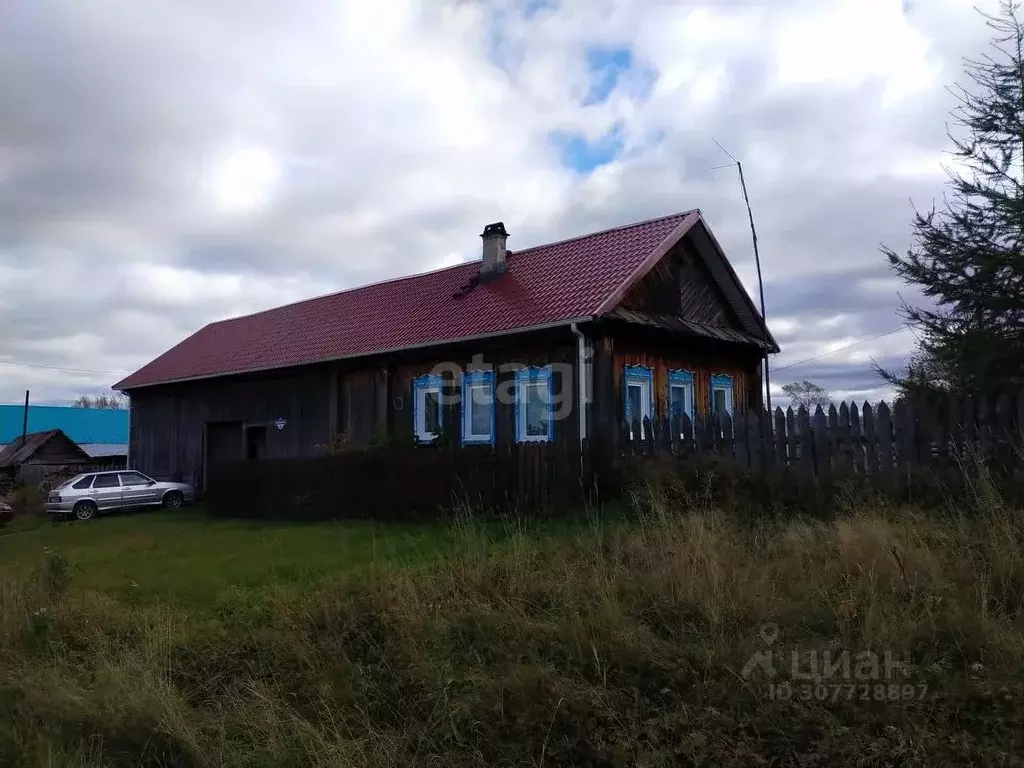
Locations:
(550, 284)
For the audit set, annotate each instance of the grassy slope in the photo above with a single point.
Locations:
(616, 646)
(187, 557)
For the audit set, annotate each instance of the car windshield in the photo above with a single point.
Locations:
(74, 479)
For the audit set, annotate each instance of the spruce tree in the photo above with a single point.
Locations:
(968, 257)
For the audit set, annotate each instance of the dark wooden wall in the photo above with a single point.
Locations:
(168, 423)
(377, 398)
(57, 450)
(681, 285)
(175, 427)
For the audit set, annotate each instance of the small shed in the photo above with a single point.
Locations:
(39, 456)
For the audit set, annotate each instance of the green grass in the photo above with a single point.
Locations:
(606, 644)
(188, 557)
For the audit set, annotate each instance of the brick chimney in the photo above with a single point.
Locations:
(493, 264)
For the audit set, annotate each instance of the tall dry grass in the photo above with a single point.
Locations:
(624, 645)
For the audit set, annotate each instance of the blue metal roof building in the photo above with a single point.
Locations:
(98, 432)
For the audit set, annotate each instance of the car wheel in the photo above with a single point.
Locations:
(173, 500)
(85, 510)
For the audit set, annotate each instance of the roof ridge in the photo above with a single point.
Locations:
(606, 231)
(511, 252)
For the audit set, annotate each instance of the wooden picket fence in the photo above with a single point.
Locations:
(399, 484)
(790, 458)
(869, 440)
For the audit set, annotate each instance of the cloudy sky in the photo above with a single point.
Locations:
(166, 164)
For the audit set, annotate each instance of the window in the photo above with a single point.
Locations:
(721, 394)
(129, 479)
(478, 407)
(680, 395)
(106, 481)
(428, 416)
(534, 405)
(639, 383)
(84, 483)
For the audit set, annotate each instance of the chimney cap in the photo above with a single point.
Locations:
(495, 230)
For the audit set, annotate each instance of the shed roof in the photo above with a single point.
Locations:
(20, 451)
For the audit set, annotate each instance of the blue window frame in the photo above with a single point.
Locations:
(680, 394)
(721, 394)
(427, 410)
(535, 405)
(638, 392)
(478, 408)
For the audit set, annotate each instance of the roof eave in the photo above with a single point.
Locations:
(333, 359)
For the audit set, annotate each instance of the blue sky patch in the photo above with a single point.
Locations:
(584, 156)
(605, 65)
(533, 7)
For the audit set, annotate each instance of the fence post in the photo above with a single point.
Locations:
(792, 441)
(725, 437)
(780, 439)
(767, 437)
(741, 449)
(856, 440)
(665, 435)
(884, 431)
(625, 440)
(650, 444)
(871, 445)
(803, 421)
(899, 428)
(686, 434)
(755, 446)
(822, 452)
(844, 440)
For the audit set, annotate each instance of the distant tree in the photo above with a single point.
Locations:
(115, 401)
(807, 394)
(968, 258)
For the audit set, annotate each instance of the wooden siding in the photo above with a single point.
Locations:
(176, 428)
(681, 285)
(168, 424)
(59, 449)
(703, 360)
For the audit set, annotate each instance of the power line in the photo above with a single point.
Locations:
(841, 349)
(63, 370)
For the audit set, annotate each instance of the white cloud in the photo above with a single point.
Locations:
(165, 167)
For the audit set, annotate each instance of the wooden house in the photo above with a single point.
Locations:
(38, 456)
(551, 343)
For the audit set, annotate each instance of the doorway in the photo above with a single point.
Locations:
(223, 442)
(255, 441)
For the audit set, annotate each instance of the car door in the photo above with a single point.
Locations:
(106, 491)
(138, 490)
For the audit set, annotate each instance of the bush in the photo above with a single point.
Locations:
(28, 500)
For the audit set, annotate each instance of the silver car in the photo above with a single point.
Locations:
(86, 495)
